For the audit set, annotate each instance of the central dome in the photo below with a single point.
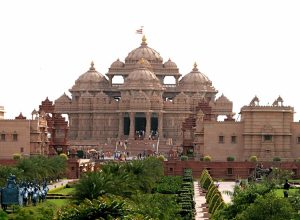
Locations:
(142, 78)
(144, 52)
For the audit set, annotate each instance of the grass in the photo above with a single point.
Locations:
(279, 192)
(37, 211)
(63, 191)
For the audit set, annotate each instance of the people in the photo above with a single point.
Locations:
(286, 188)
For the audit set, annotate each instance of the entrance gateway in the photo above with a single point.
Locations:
(140, 122)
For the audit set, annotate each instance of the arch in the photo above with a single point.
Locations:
(169, 80)
(117, 79)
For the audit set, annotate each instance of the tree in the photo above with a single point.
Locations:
(102, 209)
(242, 198)
(157, 206)
(92, 185)
(268, 206)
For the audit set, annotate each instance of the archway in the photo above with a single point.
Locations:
(140, 124)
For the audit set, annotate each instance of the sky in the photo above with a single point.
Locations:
(246, 48)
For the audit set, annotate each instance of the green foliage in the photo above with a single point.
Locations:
(40, 167)
(169, 185)
(157, 206)
(242, 198)
(120, 179)
(230, 158)
(17, 156)
(276, 159)
(34, 213)
(94, 184)
(3, 215)
(63, 156)
(278, 176)
(5, 172)
(207, 158)
(184, 158)
(253, 159)
(102, 209)
(268, 206)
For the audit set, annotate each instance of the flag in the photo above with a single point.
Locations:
(140, 30)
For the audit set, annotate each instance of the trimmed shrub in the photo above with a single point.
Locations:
(213, 201)
(276, 159)
(230, 158)
(184, 158)
(253, 158)
(207, 158)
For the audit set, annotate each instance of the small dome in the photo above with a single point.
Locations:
(144, 52)
(90, 80)
(117, 64)
(170, 64)
(196, 81)
(90, 76)
(195, 77)
(142, 78)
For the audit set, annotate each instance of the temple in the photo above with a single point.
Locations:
(146, 113)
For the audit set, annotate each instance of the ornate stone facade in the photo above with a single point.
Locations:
(143, 107)
(184, 115)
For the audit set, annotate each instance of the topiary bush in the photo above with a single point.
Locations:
(276, 159)
(253, 158)
(207, 158)
(184, 158)
(230, 158)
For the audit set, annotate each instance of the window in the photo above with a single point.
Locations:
(22, 149)
(229, 171)
(221, 139)
(268, 137)
(298, 140)
(2, 137)
(233, 139)
(15, 137)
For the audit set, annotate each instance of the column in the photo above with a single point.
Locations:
(148, 124)
(110, 80)
(176, 78)
(132, 125)
(160, 124)
(121, 125)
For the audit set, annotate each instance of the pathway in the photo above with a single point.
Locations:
(226, 186)
(201, 212)
(60, 183)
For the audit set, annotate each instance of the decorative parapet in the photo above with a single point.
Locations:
(267, 108)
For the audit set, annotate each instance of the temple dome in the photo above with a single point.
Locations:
(91, 75)
(170, 64)
(195, 77)
(144, 52)
(195, 81)
(117, 64)
(91, 79)
(142, 78)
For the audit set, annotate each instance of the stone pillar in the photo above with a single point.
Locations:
(176, 78)
(121, 125)
(110, 80)
(148, 124)
(160, 124)
(132, 125)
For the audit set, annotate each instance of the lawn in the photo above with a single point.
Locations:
(279, 192)
(63, 191)
(37, 211)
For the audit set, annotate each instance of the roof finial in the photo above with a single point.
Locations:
(195, 67)
(144, 40)
(92, 66)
